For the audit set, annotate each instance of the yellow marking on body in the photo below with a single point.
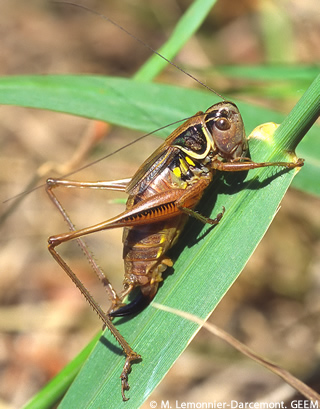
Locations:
(190, 161)
(163, 239)
(183, 166)
(159, 253)
(177, 172)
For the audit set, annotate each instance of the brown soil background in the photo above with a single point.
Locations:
(273, 307)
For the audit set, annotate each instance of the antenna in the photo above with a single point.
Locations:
(138, 40)
(32, 189)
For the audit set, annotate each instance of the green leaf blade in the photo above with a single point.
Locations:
(102, 98)
(202, 274)
(186, 27)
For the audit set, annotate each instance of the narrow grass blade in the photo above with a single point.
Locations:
(184, 30)
(208, 262)
(151, 106)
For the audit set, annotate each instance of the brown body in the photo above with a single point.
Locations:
(162, 194)
(146, 246)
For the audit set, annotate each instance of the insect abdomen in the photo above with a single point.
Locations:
(145, 249)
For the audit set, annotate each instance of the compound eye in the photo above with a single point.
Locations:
(223, 124)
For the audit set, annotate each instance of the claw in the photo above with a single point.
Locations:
(125, 372)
